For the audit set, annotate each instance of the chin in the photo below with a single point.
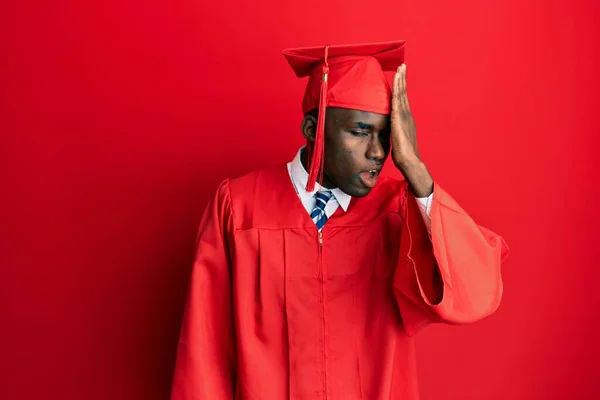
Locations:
(356, 191)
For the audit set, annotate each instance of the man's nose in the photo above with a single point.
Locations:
(376, 149)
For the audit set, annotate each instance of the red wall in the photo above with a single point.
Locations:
(118, 120)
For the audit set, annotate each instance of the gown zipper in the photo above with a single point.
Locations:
(323, 297)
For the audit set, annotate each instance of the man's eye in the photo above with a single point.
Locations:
(358, 133)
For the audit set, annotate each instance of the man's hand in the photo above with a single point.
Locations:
(404, 139)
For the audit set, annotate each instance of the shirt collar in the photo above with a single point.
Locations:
(300, 178)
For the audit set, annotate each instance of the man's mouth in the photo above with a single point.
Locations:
(369, 177)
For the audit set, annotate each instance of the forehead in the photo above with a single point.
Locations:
(351, 117)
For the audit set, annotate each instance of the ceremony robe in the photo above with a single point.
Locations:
(278, 310)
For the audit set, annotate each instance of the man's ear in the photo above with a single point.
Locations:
(309, 127)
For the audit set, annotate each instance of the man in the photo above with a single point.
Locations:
(311, 278)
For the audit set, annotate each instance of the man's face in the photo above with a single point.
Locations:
(356, 145)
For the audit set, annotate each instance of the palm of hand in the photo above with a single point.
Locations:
(403, 129)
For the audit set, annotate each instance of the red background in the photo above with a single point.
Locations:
(118, 119)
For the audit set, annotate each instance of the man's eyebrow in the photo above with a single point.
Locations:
(362, 125)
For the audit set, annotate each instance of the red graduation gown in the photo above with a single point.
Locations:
(277, 312)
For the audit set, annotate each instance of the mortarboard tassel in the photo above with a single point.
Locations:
(317, 156)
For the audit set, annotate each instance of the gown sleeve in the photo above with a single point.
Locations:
(206, 361)
(452, 275)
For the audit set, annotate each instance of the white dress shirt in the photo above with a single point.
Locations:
(299, 177)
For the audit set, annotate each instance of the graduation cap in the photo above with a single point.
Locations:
(347, 76)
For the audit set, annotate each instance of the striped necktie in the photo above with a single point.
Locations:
(318, 213)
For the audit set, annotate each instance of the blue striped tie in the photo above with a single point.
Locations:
(318, 213)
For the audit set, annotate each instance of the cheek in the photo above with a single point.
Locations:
(340, 157)
(343, 159)
(346, 167)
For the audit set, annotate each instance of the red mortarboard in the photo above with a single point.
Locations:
(346, 76)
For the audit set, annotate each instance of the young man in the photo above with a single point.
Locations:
(310, 278)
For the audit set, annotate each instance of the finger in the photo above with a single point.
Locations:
(403, 77)
(395, 90)
(402, 90)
